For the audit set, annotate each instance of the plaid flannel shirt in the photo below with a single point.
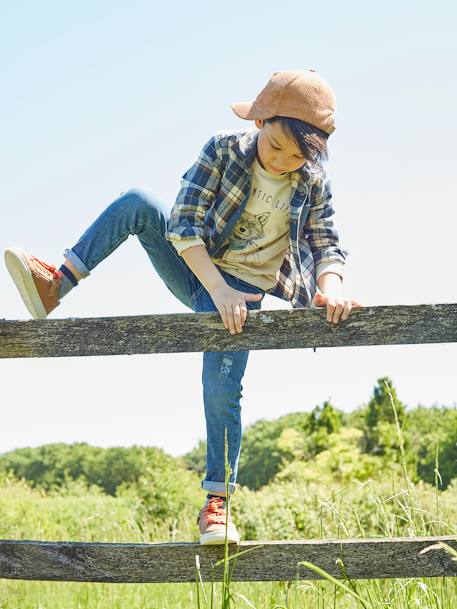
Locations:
(215, 190)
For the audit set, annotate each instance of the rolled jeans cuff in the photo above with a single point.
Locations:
(77, 263)
(217, 487)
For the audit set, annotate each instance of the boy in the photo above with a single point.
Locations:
(254, 215)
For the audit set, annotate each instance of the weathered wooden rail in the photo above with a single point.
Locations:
(267, 560)
(186, 332)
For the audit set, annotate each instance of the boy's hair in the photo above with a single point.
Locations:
(311, 140)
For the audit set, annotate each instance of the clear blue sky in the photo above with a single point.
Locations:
(99, 97)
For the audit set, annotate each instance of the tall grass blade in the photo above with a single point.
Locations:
(330, 578)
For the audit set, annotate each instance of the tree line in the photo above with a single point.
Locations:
(325, 443)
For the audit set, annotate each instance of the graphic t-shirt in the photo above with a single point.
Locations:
(256, 247)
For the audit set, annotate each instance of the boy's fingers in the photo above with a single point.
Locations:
(330, 310)
(318, 297)
(223, 314)
(243, 313)
(252, 296)
(231, 320)
(231, 324)
(347, 310)
(237, 318)
(337, 313)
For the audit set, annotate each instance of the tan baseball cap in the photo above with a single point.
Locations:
(294, 93)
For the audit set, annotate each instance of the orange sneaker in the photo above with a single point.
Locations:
(212, 521)
(38, 283)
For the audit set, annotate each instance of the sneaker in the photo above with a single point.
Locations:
(38, 283)
(212, 519)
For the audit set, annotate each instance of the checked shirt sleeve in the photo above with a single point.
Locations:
(199, 186)
(321, 231)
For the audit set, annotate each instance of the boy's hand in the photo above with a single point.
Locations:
(338, 306)
(231, 305)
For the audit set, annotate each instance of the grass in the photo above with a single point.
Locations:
(353, 510)
(373, 596)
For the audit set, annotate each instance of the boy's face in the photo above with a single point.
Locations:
(275, 151)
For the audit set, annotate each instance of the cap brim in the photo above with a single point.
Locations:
(250, 111)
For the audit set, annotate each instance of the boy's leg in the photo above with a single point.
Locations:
(134, 213)
(222, 389)
(42, 285)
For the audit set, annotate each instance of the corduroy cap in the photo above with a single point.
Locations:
(294, 93)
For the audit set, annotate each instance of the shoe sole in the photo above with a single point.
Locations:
(22, 277)
(215, 538)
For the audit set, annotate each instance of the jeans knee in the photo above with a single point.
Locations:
(222, 375)
(143, 206)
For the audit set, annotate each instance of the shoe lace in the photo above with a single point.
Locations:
(215, 511)
(50, 267)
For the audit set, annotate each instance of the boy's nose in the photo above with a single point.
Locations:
(280, 161)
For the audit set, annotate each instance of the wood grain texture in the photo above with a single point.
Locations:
(267, 561)
(191, 332)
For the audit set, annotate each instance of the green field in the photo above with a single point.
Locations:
(312, 475)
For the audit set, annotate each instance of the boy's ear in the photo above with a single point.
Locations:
(258, 123)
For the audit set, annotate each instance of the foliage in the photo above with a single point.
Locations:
(195, 459)
(53, 466)
(268, 446)
(318, 474)
(323, 445)
(164, 493)
(379, 429)
(342, 462)
(280, 511)
(429, 429)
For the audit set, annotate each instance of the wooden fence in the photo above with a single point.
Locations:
(267, 560)
(185, 332)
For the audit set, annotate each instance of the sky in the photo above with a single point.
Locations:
(99, 97)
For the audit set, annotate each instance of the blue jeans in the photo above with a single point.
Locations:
(134, 213)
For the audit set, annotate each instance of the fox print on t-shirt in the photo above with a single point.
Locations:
(247, 232)
(256, 246)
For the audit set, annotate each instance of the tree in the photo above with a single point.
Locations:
(380, 411)
(433, 428)
(195, 459)
(326, 417)
(50, 466)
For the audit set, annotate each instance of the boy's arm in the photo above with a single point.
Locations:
(186, 229)
(199, 186)
(330, 283)
(230, 302)
(198, 260)
(329, 257)
(322, 235)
